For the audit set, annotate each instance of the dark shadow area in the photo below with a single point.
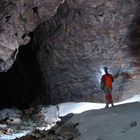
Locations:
(23, 83)
(134, 34)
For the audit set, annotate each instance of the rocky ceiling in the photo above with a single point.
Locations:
(75, 39)
(17, 19)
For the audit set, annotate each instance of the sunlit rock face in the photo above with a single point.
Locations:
(17, 19)
(82, 38)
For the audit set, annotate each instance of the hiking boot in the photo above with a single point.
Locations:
(112, 104)
(106, 106)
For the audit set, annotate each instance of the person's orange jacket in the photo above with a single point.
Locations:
(107, 80)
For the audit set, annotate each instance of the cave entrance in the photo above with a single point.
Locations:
(23, 83)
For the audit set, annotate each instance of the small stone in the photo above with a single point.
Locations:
(133, 124)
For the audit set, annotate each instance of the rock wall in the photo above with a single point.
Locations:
(74, 43)
(17, 19)
(82, 38)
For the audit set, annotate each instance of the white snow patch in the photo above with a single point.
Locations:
(14, 136)
(51, 114)
(77, 108)
(9, 113)
(135, 98)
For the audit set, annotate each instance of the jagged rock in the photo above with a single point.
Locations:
(76, 39)
(18, 18)
(3, 126)
(25, 138)
(65, 132)
(7, 113)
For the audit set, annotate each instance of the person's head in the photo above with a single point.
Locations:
(106, 69)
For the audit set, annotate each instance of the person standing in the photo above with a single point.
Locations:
(106, 85)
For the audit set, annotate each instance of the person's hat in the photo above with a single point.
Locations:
(105, 68)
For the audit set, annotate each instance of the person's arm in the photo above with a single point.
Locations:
(102, 83)
(112, 79)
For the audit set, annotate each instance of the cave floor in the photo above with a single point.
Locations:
(37, 123)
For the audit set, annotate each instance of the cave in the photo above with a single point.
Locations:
(59, 56)
(52, 58)
(23, 82)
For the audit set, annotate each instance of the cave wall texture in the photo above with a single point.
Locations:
(74, 41)
(17, 19)
(82, 38)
